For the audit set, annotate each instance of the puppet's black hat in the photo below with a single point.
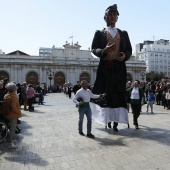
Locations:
(112, 8)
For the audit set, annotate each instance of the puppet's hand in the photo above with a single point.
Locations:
(121, 57)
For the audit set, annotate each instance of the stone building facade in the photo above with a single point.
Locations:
(156, 55)
(68, 64)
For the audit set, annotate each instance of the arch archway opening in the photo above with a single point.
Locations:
(85, 76)
(3, 75)
(59, 78)
(32, 78)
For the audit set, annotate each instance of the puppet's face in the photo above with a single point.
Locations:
(111, 18)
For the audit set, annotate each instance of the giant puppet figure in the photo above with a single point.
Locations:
(113, 47)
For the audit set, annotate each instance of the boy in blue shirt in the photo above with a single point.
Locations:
(151, 100)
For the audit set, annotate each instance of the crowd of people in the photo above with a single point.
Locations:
(137, 94)
(12, 97)
(160, 90)
(151, 92)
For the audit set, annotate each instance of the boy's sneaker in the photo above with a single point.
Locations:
(81, 133)
(90, 136)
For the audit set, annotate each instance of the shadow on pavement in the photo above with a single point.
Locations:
(110, 142)
(29, 158)
(24, 154)
(144, 133)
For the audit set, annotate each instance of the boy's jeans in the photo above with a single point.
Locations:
(150, 103)
(87, 112)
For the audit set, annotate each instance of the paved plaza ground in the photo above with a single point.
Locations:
(49, 140)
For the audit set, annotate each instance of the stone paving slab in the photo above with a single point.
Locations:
(49, 140)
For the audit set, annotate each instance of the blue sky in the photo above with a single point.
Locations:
(27, 25)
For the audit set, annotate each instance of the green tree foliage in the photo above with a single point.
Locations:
(154, 76)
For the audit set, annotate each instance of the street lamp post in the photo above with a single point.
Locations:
(50, 76)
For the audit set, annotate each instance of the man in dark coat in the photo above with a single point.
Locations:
(113, 47)
(76, 87)
(69, 90)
